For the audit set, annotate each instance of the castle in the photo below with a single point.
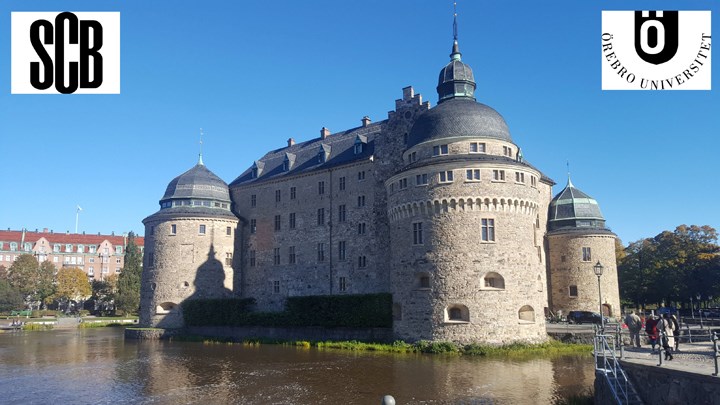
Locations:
(436, 206)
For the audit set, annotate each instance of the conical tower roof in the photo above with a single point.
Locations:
(572, 208)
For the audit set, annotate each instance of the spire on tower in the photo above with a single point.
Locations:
(200, 161)
(455, 55)
(569, 183)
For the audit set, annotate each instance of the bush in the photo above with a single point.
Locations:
(358, 311)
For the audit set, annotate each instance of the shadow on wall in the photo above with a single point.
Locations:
(209, 283)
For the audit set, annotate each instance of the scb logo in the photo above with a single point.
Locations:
(66, 53)
(656, 35)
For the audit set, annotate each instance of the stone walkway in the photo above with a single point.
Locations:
(697, 357)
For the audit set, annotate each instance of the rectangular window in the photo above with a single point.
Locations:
(68, 247)
(228, 231)
(499, 175)
(488, 230)
(413, 157)
(55, 259)
(253, 200)
(277, 195)
(587, 255)
(533, 181)
(293, 193)
(276, 287)
(91, 270)
(341, 184)
(292, 220)
(202, 230)
(253, 226)
(362, 261)
(341, 213)
(276, 256)
(477, 147)
(507, 151)
(472, 174)
(342, 286)
(173, 231)
(321, 187)
(117, 261)
(321, 216)
(361, 176)
(321, 252)
(228, 259)
(341, 250)
(403, 183)
(92, 260)
(519, 177)
(573, 291)
(291, 255)
(81, 248)
(92, 249)
(421, 179)
(56, 248)
(361, 201)
(417, 233)
(446, 177)
(361, 228)
(251, 256)
(440, 150)
(424, 282)
(277, 222)
(117, 269)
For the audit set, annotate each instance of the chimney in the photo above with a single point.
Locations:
(291, 142)
(67, 232)
(324, 133)
(51, 231)
(45, 230)
(366, 121)
(113, 233)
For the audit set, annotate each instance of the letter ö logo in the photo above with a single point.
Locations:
(656, 35)
(65, 53)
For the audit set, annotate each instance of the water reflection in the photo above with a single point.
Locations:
(98, 366)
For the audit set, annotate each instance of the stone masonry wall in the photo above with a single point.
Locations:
(185, 265)
(568, 268)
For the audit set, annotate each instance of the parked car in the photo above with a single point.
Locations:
(580, 317)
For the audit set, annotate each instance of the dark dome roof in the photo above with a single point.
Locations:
(459, 116)
(572, 208)
(198, 182)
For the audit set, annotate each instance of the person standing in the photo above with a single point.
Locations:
(652, 331)
(634, 325)
(666, 336)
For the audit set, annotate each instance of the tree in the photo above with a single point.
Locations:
(35, 282)
(128, 295)
(3, 272)
(105, 292)
(72, 285)
(10, 297)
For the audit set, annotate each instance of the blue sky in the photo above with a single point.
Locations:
(253, 74)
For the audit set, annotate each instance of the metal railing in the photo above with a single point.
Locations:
(606, 362)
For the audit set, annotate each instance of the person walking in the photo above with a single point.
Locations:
(634, 324)
(676, 330)
(664, 328)
(652, 331)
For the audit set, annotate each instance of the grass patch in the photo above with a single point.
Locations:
(134, 328)
(515, 350)
(90, 325)
(36, 326)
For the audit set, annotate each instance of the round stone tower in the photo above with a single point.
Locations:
(468, 218)
(189, 247)
(578, 240)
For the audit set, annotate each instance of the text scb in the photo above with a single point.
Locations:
(76, 28)
(65, 52)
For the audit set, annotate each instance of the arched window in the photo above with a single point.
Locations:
(165, 308)
(457, 313)
(493, 281)
(526, 313)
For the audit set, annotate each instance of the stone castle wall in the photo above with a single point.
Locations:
(567, 268)
(184, 265)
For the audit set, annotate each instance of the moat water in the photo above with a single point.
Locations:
(98, 366)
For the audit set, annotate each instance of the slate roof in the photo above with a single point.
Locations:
(571, 208)
(339, 148)
(198, 182)
(190, 212)
(459, 117)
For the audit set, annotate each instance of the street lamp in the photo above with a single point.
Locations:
(699, 310)
(598, 269)
(692, 308)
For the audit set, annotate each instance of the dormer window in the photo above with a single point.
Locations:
(254, 172)
(360, 140)
(288, 162)
(286, 165)
(323, 153)
(257, 169)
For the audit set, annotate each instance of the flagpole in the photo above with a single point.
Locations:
(77, 217)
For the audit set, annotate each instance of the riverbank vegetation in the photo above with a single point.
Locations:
(515, 350)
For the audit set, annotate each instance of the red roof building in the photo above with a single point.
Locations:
(97, 255)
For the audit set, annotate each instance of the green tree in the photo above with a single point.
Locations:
(35, 282)
(10, 297)
(72, 285)
(128, 295)
(3, 272)
(105, 292)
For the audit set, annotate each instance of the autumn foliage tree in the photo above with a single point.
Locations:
(34, 281)
(671, 267)
(72, 285)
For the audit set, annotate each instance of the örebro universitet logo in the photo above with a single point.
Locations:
(656, 50)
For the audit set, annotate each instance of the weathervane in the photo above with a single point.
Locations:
(455, 20)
